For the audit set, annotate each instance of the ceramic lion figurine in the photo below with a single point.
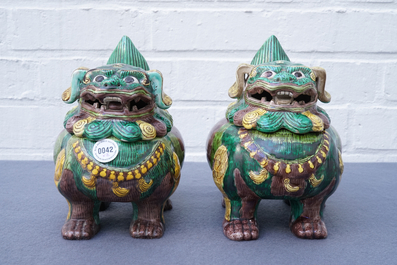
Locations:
(119, 145)
(275, 143)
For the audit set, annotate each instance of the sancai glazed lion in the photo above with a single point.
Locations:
(275, 143)
(122, 103)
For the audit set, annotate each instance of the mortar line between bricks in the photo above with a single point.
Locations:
(183, 51)
(154, 7)
(383, 151)
(201, 56)
(26, 149)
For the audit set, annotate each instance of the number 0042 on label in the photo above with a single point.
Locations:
(105, 150)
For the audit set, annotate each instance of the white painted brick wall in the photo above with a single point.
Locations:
(197, 45)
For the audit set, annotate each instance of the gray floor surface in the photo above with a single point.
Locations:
(360, 216)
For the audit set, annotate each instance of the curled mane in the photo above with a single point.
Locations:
(266, 121)
(82, 124)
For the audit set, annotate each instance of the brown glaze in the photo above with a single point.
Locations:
(240, 230)
(119, 145)
(73, 120)
(81, 224)
(249, 199)
(105, 193)
(149, 224)
(239, 115)
(278, 187)
(309, 224)
(246, 229)
(120, 106)
(278, 144)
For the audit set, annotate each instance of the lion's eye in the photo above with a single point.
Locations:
(268, 74)
(99, 78)
(130, 79)
(298, 74)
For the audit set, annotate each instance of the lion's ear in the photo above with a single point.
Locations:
(162, 100)
(320, 78)
(237, 88)
(73, 92)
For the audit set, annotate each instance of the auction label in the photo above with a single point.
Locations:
(105, 150)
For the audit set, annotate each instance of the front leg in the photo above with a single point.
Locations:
(309, 224)
(240, 218)
(148, 220)
(80, 223)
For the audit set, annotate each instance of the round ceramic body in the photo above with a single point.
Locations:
(249, 165)
(145, 173)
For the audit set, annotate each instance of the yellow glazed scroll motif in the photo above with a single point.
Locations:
(59, 166)
(318, 124)
(148, 130)
(259, 178)
(289, 187)
(218, 173)
(249, 119)
(314, 181)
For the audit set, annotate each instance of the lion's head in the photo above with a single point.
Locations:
(273, 93)
(123, 99)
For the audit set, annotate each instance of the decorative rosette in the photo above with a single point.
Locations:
(318, 124)
(78, 127)
(78, 122)
(148, 130)
(249, 119)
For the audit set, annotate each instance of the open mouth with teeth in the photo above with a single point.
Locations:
(124, 103)
(283, 96)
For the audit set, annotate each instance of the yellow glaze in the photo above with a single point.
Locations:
(318, 124)
(59, 166)
(259, 178)
(289, 187)
(249, 119)
(148, 130)
(314, 181)
(118, 191)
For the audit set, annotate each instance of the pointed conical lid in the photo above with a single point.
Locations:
(270, 51)
(126, 52)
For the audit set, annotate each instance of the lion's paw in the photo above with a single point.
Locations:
(239, 230)
(146, 229)
(310, 229)
(79, 229)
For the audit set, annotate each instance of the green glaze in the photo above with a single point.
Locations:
(122, 102)
(126, 53)
(270, 51)
(280, 146)
(275, 143)
(283, 73)
(286, 145)
(123, 130)
(131, 157)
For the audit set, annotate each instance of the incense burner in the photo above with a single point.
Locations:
(118, 145)
(275, 143)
